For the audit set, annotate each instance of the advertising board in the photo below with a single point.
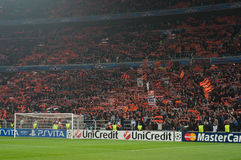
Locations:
(50, 133)
(211, 137)
(6, 132)
(129, 135)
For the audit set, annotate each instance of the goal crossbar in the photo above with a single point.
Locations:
(46, 121)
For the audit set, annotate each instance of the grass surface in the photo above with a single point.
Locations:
(65, 149)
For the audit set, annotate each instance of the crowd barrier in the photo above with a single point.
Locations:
(167, 136)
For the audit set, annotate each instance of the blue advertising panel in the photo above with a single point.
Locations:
(211, 137)
(219, 60)
(49, 133)
(6, 132)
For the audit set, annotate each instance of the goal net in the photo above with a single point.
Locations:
(56, 125)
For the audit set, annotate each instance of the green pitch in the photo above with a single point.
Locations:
(65, 149)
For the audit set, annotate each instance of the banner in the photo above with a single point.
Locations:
(50, 133)
(219, 60)
(129, 135)
(211, 137)
(151, 98)
(6, 132)
(139, 82)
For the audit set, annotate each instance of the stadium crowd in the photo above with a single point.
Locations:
(113, 95)
(24, 9)
(192, 37)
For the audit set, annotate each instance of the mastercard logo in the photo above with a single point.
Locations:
(190, 136)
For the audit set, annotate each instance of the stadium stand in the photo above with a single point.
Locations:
(185, 95)
(99, 7)
(193, 37)
(105, 94)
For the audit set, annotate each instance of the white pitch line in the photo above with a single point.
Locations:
(150, 149)
(136, 150)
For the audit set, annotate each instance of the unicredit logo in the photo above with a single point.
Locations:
(147, 135)
(127, 135)
(190, 136)
(99, 134)
(78, 134)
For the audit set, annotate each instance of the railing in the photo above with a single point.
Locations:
(187, 61)
(6, 123)
(84, 125)
(102, 125)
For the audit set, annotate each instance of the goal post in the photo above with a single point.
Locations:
(56, 125)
